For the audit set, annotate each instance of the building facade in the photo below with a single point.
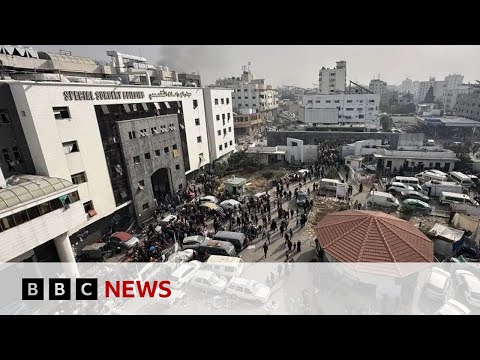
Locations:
(190, 80)
(423, 88)
(468, 106)
(331, 81)
(377, 86)
(248, 124)
(343, 109)
(120, 145)
(220, 122)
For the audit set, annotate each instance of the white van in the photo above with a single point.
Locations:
(382, 199)
(432, 175)
(225, 265)
(435, 188)
(461, 179)
(329, 184)
(406, 180)
(451, 198)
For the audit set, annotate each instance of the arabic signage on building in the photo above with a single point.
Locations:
(165, 93)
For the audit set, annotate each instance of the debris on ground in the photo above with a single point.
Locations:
(321, 207)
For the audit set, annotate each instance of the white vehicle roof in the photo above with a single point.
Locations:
(332, 181)
(457, 195)
(411, 178)
(204, 274)
(460, 175)
(243, 282)
(381, 194)
(182, 268)
(217, 259)
(438, 277)
(453, 307)
(473, 283)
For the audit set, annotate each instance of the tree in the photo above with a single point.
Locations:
(429, 99)
(386, 122)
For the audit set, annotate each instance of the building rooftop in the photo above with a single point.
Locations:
(66, 58)
(448, 121)
(235, 181)
(272, 150)
(24, 188)
(372, 236)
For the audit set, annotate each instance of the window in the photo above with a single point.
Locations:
(145, 206)
(228, 101)
(360, 116)
(223, 116)
(228, 116)
(219, 132)
(195, 104)
(224, 132)
(371, 101)
(245, 90)
(225, 145)
(359, 109)
(136, 159)
(61, 112)
(44, 208)
(371, 109)
(79, 178)
(223, 122)
(20, 217)
(218, 117)
(328, 101)
(222, 101)
(157, 152)
(171, 127)
(147, 156)
(360, 101)
(143, 132)
(336, 101)
(239, 98)
(197, 122)
(216, 101)
(246, 98)
(231, 142)
(166, 150)
(199, 139)
(349, 109)
(23, 113)
(33, 212)
(349, 101)
(132, 135)
(220, 147)
(5, 119)
(177, 167)
(229, 129)
(174, 146)
(88, 206)
(141, 183)
(69, 147)
(154, 130)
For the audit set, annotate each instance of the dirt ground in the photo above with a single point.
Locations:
(256, 182)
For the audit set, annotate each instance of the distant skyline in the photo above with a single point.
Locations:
(299, 64)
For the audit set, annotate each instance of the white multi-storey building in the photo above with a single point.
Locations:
(220, 127)
(342, 109)
(377, 86)
(423, 88)
(250, 93)
(334, 80)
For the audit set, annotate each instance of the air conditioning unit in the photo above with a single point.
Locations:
(155, 131)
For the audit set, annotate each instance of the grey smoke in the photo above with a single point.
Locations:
(189, 58)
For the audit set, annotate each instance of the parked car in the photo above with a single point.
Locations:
(452, 307)
(382, 199)
(208, 281)
(471, 285)
(229, 204)
(183, 274)
(302, 197)
(418, 205)
(122, 239)
(412, 194)
(398, 187)
(208, 198)
(169, 219)
(192, 242)
(438, 283)
(248, 289)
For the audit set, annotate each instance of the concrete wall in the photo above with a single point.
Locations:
(275, 138)
(20, 239)
(147, 167)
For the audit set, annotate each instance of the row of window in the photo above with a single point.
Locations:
(255, 105)
(11, 156)
(36, 211)
(223, 101)
(338, 101)
(219, 132)
(144, 132)
(166, 150)
(359, 109)
(4, 118)
(220, 147)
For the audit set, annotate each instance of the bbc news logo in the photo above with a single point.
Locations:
(59, 289)
(87, 289)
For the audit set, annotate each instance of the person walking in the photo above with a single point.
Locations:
(291, 234)
(299, 244)
(265, 249)
(268, 237)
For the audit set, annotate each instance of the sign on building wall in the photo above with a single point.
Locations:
(165, 93)
(102, 95)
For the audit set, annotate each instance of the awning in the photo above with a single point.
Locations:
(167, 104)
(145, 106)
(156, 106)
(105, 109)
(127, 108)
(211, 206)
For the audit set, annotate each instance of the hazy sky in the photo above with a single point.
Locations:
(299, 64)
